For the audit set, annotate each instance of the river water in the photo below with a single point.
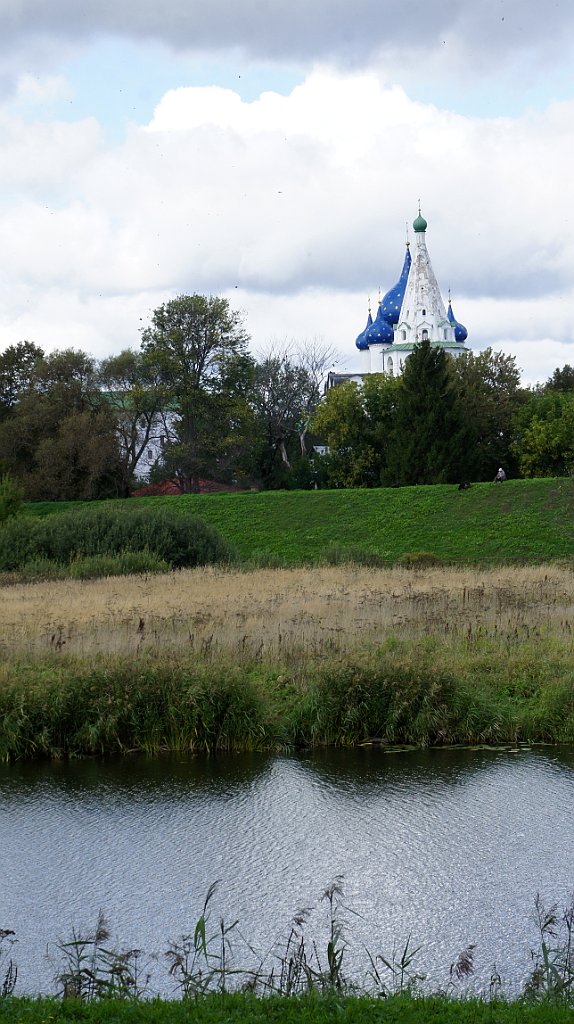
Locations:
(450, 846)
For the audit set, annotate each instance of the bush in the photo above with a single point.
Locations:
(337, 554)
(127, 563)
(11, 498)
(419, 560)
(170, 534)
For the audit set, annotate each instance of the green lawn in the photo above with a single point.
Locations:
(241, 1009)
(520, 520)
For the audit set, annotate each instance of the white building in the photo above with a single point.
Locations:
(410, 312)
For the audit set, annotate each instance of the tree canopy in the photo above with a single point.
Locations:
(197, 347)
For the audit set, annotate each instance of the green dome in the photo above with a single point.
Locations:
(419, 223)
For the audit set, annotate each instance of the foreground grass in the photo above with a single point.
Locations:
(520, 521)
(246, 1009)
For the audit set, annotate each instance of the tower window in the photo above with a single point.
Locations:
(404, 335)
(424, 312)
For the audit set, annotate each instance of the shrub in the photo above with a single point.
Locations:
(337, 554)
(127, 563)
(419, 560)
(171, 534)
(11, 498)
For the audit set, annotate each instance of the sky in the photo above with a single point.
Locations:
(274, 152)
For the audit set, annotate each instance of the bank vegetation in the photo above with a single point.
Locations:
(214, 659)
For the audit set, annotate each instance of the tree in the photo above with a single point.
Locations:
(561, 380)
(59, 441)
(430, 439)
(286, 393)
(17, 370)
(489, 388)
(355, 421)
(138, 403)
(544, 435)
(80, 461)
(197, 347)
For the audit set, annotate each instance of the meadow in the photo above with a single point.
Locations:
(516, 522)
(417, 615)
(221, 659)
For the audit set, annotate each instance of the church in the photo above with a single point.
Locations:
(411, 311)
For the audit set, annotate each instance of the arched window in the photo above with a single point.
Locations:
(445, 332)
(390, 365)
(425, 333)
(404, 335)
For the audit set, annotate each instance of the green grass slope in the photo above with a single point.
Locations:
(518, 521)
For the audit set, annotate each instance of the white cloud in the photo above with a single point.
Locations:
(36, 89)
(295, 206)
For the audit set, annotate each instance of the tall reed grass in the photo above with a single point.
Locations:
(310, 960)
(214, 659)
(63, 706)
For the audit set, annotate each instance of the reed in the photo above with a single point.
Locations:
(215, 659)
(280, 614)
(217, 958)
(63, 706)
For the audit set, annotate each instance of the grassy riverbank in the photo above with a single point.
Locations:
(208, 659)
(520, 521)
(396, 694)
(246, 1009)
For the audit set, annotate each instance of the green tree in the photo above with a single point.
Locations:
(17, 371)
(138, 402)
(355, 421)
(561, 379)
(489, 388)
(282, 392)
(11, 498)
(430, 439)
(59, 441)
(544, 435)
(197, 346)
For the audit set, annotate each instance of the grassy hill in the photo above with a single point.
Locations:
(518, 521)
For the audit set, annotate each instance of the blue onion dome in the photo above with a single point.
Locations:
(460, 332)
(380, 332)
(393, 300)
(361, 341)
(419, 223)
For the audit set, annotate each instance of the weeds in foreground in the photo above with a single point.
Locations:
(552, 976)
(201, 962)
(90, 970)
(396, 975)
(8, 969)
(205, 961)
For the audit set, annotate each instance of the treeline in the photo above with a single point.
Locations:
(75, 428)
(446, 421)
(192, 403)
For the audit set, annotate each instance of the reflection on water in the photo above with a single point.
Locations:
(449, 845)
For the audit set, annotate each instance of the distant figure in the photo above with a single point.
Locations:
(500, 476)
(464, 485)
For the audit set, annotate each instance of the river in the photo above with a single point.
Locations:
(450, 846)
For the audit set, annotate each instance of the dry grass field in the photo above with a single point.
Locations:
(273, 614)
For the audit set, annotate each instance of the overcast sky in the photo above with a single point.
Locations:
(274, 152)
